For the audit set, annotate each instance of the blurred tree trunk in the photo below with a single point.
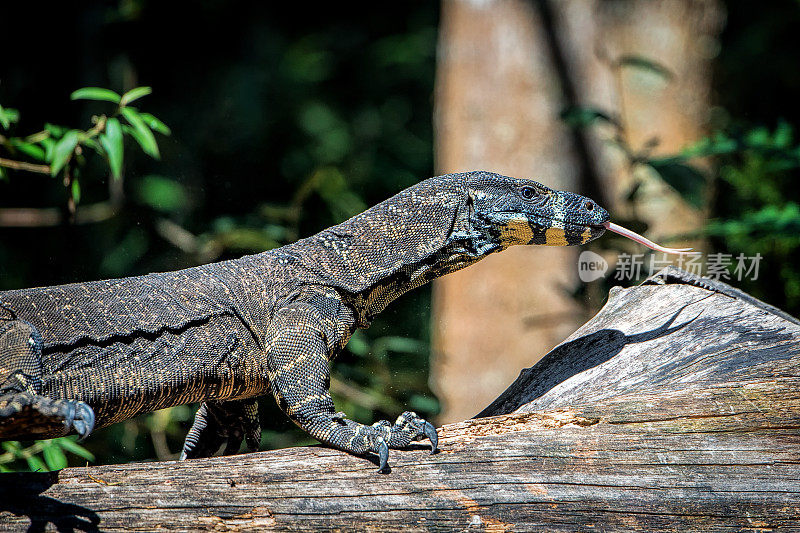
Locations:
(671, 109)
(506, 69)
(497, 105)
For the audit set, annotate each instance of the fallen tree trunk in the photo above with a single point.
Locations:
(675, 407)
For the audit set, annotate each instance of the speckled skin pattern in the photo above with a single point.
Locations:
(86, 355)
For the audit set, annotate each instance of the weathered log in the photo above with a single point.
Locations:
(676, 407)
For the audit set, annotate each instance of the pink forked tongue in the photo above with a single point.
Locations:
(610, 226)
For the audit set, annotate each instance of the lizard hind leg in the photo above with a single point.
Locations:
(24, 413)
(219, 421)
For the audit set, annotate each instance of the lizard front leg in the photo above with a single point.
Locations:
(299, 374)
(24, 413)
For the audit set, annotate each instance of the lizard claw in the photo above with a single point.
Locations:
(430, 432)
(383, 455)
(44, 418)
(83, 421)
(77, 415)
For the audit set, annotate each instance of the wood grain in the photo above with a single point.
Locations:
(675, 408)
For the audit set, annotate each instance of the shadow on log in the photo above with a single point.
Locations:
(676, 407)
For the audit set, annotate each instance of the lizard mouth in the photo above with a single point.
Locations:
(560, 232)
(570, 226)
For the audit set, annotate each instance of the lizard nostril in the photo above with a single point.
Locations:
(589, 206)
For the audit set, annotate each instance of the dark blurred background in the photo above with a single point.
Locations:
(287, 119)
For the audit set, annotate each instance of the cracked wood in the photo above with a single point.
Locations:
(683, 413)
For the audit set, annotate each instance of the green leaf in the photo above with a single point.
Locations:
(75, 189)
(581, 117)
(134, 94)
(155, 124)
(96, 93)
(425, 404)
(91, 143)
(49, 145)
(69, 444)
(12, 446)
(55, 131)
(29, 149)
(783, 135)
(358, 344)
(719, 144)
(685, 179)
(643, 63)
(771, 222)
(62, 151)
(141, 132)
(35, 464)
(8, 116)
(758, 137)
(112, 142)
(383, 345)
(162, 194)
(53, 456)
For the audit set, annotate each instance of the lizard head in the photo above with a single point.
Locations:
(519, 211)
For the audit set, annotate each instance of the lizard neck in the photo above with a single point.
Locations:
(420, 234)
(463, 247)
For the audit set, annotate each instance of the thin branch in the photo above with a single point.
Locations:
(37, 137)
(21, 165)
(31, 217)
(99, 126)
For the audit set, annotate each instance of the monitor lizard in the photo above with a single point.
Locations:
(85, 355)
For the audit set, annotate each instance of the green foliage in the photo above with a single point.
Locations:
(62, 151)
(761, 227)
(112, 142)
(62, 148)
(96, 93)
(758, 211)
(684, 178)
(674, 170)
(154, 124)
(42, 455)
(134, 94)
(162, 194)
(140, 131)
(8, 117)
(756, 201)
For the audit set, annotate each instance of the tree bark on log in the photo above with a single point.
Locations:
(676, 407)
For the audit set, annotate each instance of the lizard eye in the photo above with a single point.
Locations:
(529, 193)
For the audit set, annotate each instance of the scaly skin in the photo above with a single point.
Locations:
(86, 355)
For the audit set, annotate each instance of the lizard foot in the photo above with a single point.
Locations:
(407, 428)
(30, 416)
(410, 427)
(220, 421)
